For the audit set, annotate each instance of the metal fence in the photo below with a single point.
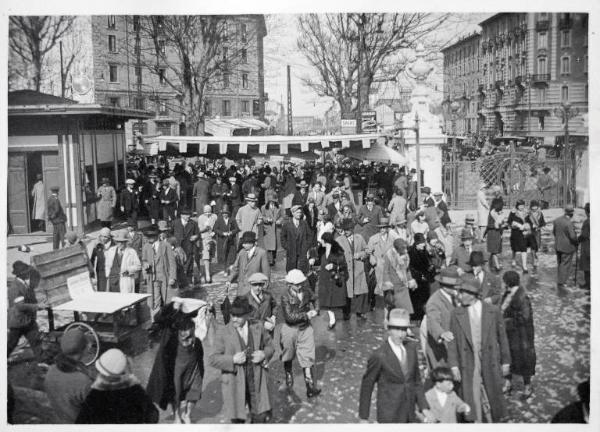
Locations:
(511, 171)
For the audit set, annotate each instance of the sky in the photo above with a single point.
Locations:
(280, 50)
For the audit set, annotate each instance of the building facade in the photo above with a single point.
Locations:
(111, 56)
(516, 71)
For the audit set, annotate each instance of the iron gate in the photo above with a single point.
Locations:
(511, 171)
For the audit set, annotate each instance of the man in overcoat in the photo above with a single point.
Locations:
(242, 352)
(187, 233)
(201, 193)
(565, 244)
(394, 367)
(129, 202)
(158, 263)
(369, 216)
(491, 286)
(355, 246)
(226, 230)
(250, 259)
(479, 354)
(57, 217)
(437, 310)
(261, 300)
(168, 201)
(295, 239)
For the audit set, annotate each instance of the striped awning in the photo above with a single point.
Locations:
(235, 147)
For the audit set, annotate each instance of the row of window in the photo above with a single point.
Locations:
(209, 109)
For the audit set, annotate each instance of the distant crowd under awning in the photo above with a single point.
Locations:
(304, 147)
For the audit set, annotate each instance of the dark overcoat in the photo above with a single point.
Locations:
(494, 353)
(518, 321)
(397, 394)
(332, 292)
(296, 242)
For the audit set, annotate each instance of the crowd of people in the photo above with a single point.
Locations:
(356, 238)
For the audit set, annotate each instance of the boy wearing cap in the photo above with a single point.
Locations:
(262, 301)
(295, 240)
(57, 217)
(116, 396)
(298, 305)
(250, 259)
(444, 403)
(107, 202)
(68, 381)
(394, 367)
(129, 202)
(479, 354)
(242, 352)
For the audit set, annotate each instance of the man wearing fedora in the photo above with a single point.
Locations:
(437, 312)
(160, 268)
(129, 202)
(242, 352)
(295, 240)
(234, 195)
(249, 217)
(250, 259)
(479, 354)
(106, 203)
(187, 233)
(368, 217)
(122, 265)
(565, 244)
(354, 246)
(377, 247)
(262, 301)
(491, 286)
(201, 192)
(57, 217)
(226, 230)
(394, 367)
(299, 306)
(301, 195)
(462, 253)
(68, 381)
(168, 200)
(116, 396)
(22, 310)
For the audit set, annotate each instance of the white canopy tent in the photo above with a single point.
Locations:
(378, 152)
(228, 127)
(235, 147)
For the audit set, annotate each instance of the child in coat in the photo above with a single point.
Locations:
(443, 402)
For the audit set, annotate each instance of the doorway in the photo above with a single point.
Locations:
(34, 172)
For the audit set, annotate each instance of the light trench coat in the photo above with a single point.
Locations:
(129, 263)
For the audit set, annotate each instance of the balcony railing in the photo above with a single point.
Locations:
(542, 25)
(537, 78)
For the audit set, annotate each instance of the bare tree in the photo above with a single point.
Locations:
(376, 46)
(32, 37)
(194, 55)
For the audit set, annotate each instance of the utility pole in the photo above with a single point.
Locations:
(418, 157)
(62, 72)
(289, 103)
(361, 44)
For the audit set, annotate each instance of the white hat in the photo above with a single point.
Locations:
(105, 232)
(112, 363)
(398, 317)
(130, 181)
(295, 277)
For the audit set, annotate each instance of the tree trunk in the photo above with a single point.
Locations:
(37, 73)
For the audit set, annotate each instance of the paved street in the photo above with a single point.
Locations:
(562, 328)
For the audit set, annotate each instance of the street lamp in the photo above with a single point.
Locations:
(453, 110)
(565, 111)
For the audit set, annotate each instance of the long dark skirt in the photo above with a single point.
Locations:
(418, 298)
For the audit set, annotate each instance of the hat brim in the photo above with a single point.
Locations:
(445, 282)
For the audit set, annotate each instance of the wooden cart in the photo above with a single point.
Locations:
(65, 285)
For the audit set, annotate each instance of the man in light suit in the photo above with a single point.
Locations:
(438, 309)
(394, 367)
(565, 244)
(122, 265)
(251, 259)
(158, 262)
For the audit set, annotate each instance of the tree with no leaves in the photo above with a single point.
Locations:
(334, 44)
(194, 54)
(30, 38)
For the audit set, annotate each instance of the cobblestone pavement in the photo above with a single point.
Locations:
(562, 328)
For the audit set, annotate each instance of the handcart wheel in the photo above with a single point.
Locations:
(93, 346)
